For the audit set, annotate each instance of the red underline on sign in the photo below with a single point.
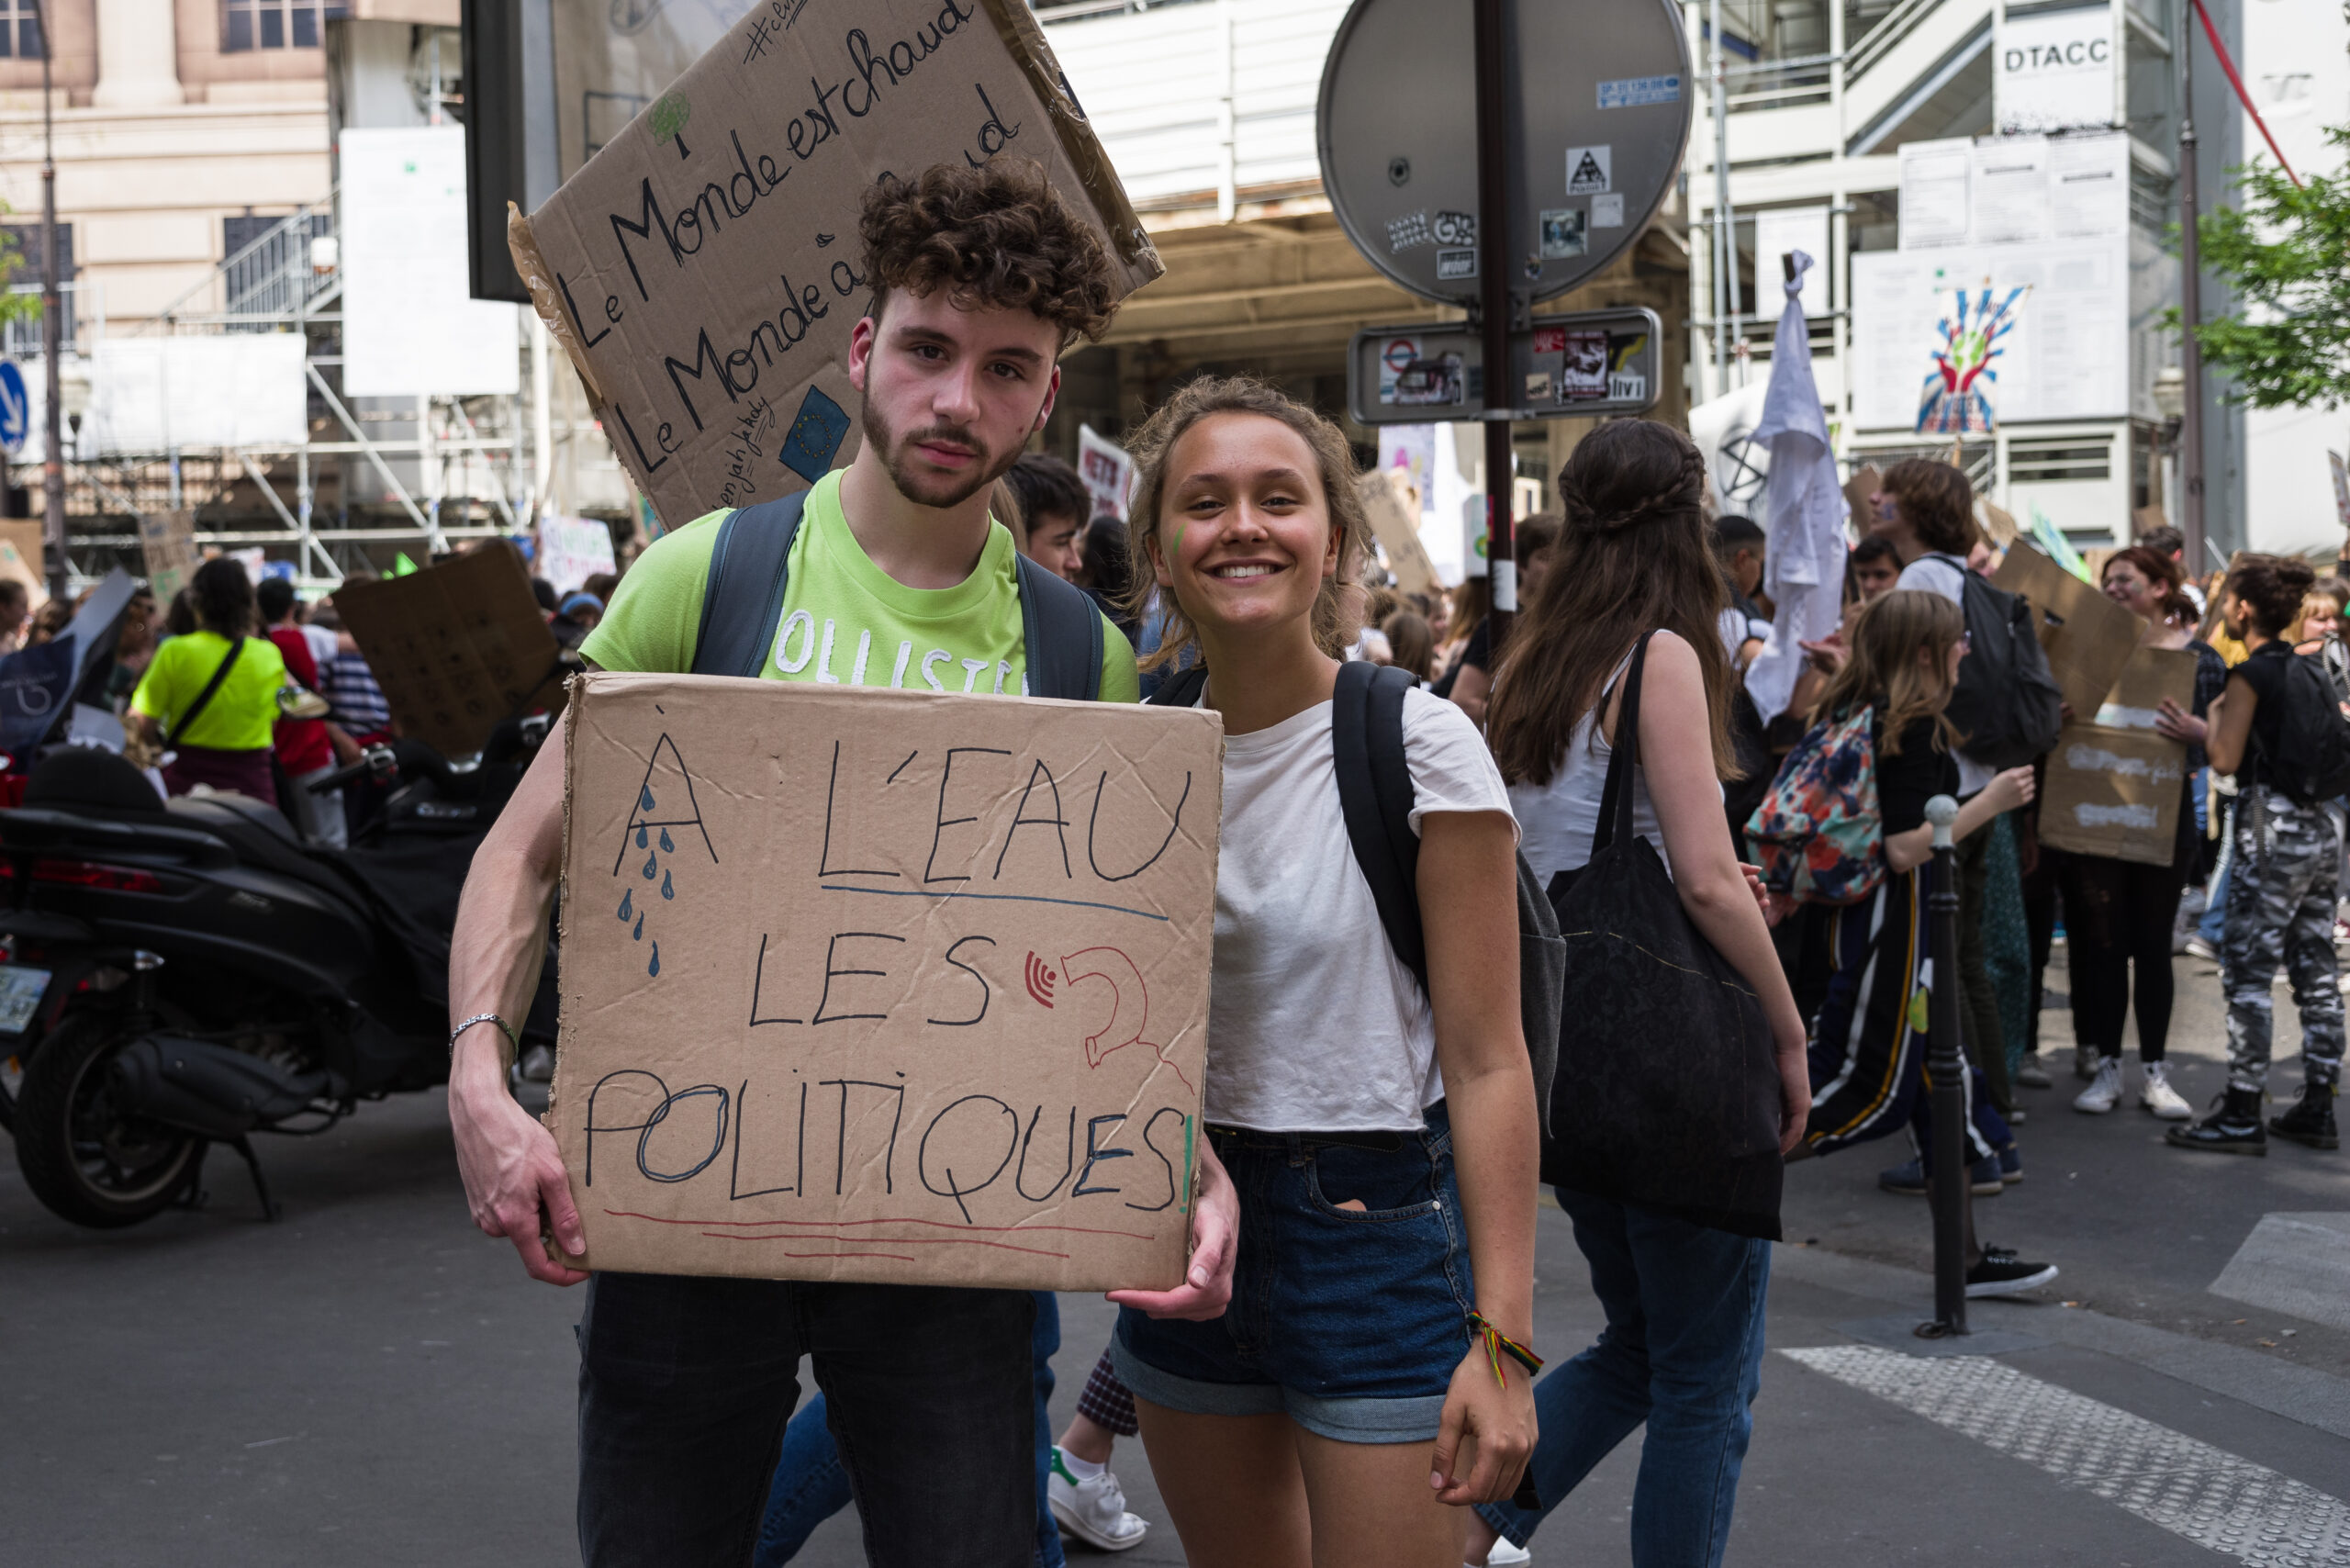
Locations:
(903, 1219)
(893, 1240)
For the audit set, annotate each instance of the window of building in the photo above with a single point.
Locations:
(268, 23)
(20, 29)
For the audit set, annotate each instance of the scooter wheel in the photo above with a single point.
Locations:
(87, 1160)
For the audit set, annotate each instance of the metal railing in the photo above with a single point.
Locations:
(1874, 45)
(271, 279)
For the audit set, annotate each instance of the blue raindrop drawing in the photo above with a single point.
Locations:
(639, 928)
(666, 891)
(626, 894)
(653, 968)
(667, 847)
(660, 836)
(652, 864)
(644, 796)
(639, 838)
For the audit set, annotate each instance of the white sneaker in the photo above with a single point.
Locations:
(1093, 1510)
(1505, 1555)
(2104, 1091)
(2160, 1098)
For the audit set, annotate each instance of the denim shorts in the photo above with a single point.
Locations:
(1351, 1323)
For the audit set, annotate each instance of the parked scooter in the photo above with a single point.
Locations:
(177, 975)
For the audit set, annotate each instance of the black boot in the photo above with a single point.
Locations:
(2310, 1121)
(2233, 1128)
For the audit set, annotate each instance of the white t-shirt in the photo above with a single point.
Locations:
(1313, 1024)
(1931, 576)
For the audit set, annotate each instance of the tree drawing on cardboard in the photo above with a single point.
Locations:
(1956, 396)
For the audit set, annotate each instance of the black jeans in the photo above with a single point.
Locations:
(686, 1382)
(2117, 916)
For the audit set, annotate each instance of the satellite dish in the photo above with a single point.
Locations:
(1601, 102)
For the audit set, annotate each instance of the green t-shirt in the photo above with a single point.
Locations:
(845, 620)
(240, 715)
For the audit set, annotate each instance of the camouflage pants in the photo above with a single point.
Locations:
(2280, 906)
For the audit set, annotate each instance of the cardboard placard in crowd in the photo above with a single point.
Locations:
(2152, 674)
(23, 555)
(703, 269)
(572, 550)
(167, 547)
(1857, 491)
(2113, 793)
(1389, 500)
(456, 647)
(884, 985)
(2088, 638)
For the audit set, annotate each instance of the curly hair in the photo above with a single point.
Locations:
(2271, 588)
(1335, 608)
(1937, 502)
(997, 237)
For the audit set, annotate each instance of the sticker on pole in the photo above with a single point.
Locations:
(15, 408)
(1587, 170)
(1631, 92)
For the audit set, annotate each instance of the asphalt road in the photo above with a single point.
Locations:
(371, 1382)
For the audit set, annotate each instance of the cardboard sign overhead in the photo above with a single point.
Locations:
(2152, 674)
(883, 985)
(703, 270)
(23, 553)
(456, 647)
(1395, 523)
(2113, 793)
(2087, 636)
(167, 546)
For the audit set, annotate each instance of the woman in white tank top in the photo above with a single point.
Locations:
(1685, 1302)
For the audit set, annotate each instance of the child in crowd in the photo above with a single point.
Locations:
(1384, 1137)
(1869, 1042)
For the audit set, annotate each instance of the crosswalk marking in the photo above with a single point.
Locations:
(2204, 1494)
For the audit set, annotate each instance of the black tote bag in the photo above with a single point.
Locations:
(1667, 1089)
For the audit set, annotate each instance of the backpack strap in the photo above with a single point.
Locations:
(1180, 690)
(1062, 630)
(1376, 796)
(741, 601)
(203, 698)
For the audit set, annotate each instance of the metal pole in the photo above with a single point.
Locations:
(1725, 248)
(52, 468)
(2190, 303)
(1945, 1061)
(1494, 187)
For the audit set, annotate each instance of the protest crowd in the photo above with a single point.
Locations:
(1403, 1058)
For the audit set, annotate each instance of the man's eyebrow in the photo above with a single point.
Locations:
(912, 334)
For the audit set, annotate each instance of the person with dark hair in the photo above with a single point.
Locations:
(981, 278)
(1738, 545)
(1469, 678)
(1634, 576)
(306, 749)
(1385, 1132)
(1410, 645)
(2117, 911)
(2281, 884)
(16, 605)
(1876, 568)
(543, 592)
(210, 696)
(575, 618)
(1055, 503)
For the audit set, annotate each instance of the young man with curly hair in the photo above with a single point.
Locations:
(898, 578)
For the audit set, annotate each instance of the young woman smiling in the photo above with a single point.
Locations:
(1352, 1386)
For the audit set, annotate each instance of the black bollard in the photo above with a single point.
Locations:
(1945, 1062)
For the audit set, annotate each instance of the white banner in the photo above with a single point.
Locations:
(2054, 72)
(572, 550)
(410, 327)
(151, 395)
(1779, 230)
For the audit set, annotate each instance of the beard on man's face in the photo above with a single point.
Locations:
(915, 482)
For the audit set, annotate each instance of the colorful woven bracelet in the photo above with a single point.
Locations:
(1498, 1344)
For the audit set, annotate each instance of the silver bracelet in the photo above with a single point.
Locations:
(503, 1027)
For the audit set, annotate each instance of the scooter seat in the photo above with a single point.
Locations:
(264, 840)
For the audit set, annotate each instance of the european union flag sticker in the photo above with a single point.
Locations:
(817, 432)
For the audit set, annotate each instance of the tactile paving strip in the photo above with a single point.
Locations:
(2207, 1495)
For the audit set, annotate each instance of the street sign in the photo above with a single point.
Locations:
(1600, 106)
(1570, 366)
(15, 408)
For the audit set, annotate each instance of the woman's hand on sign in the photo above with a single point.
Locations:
(1215, 1247)
(1491, 1424)
(2179, 724)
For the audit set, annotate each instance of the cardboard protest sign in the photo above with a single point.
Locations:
(167, 544)
(23, 553)
(880, 985)
(1395, 523)
(2152, 674)
(2088, 638)
(572, 550)
(703, 269)
(1108, 473)
(456, 647)
(1857, 491)
(2113, 793)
